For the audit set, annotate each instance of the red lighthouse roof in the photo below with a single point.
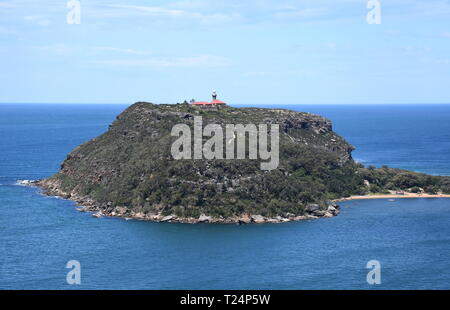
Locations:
(208, 103)
(213, 102)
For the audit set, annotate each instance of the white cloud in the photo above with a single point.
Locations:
(433, 8)
(443, 61)
(39, 20)
(60, 49)
(392, 32)
(119, 50)
(7, 5)
(256, 74)
(153, 10)
(180, 62)
(190, 4)
(162, 12)
(301, 13)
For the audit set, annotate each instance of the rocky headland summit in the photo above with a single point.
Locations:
(129, 170)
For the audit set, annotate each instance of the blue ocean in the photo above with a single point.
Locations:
(410, 238)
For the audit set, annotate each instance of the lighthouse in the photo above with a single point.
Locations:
(214, 100)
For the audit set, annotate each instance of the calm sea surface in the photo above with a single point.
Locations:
(39, 235)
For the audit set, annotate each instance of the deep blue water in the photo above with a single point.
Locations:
(39, 235)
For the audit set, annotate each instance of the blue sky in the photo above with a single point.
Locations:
(268, 52)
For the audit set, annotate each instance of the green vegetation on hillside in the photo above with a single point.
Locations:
(131, 166)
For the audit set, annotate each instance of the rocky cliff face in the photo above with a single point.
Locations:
(129, 170)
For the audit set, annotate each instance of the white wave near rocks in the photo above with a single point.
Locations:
(25, 182)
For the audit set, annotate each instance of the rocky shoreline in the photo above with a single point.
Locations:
(313, 211)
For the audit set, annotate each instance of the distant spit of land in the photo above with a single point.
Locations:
(391, 196)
